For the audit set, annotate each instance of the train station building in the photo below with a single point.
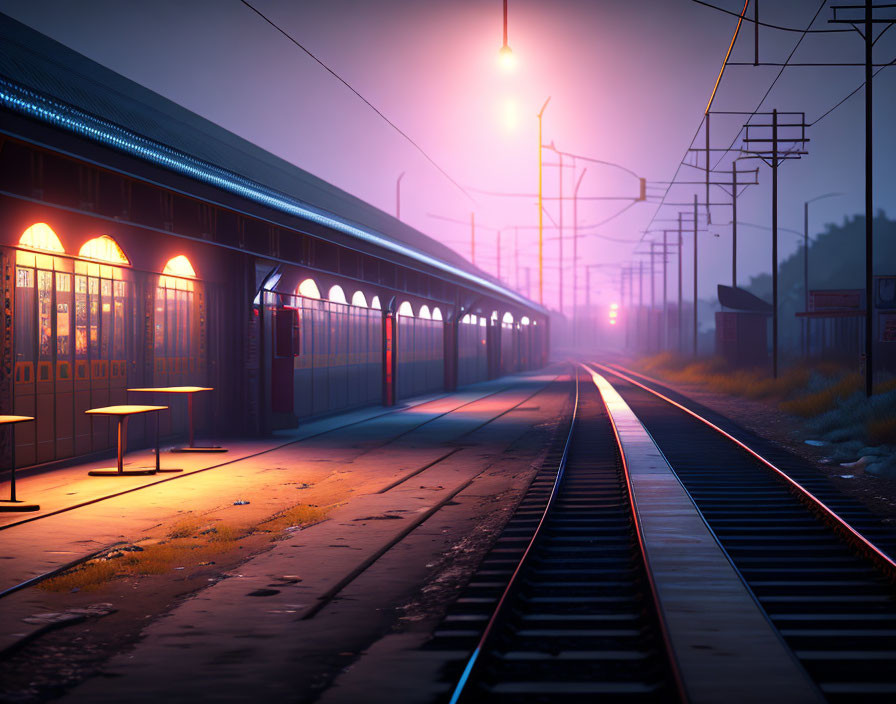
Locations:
(144, 246)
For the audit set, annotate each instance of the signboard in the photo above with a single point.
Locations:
(887, 327)
(837, 299)
(885, 292)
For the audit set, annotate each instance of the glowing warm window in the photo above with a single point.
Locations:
(179, 266)
(337, 295)
(436, 314)
(424, 312)
(309, 289)
(358, 299)
(41, 236)
(406, 310)
(466, 319)
(375, 303)
(103, 249)
(507, 319)
(524, 320)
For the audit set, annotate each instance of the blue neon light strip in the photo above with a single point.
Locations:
(74, 120)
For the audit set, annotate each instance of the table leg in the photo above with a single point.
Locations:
(12, 452)
(158, 466)
(13, 504)
(119, 470)
(190, 414)
(122, 439)
(191, 437)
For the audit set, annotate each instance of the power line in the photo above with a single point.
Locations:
(858, 88)
(361, 97)
(766, 24)
(780, 73)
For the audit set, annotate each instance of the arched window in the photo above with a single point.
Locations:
(176, 269)
(524, 320)
(507, 319)
(358, 299)
(103, 249)
(41, 236)
(436, 314)
(375, 303)
(336, 294)
(179, 266)
(406, 310)
(309, 289)
(424, 312)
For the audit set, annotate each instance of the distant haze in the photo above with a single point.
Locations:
(628, 81)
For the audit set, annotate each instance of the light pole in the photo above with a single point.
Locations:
(540, 213)
(806, 264)
(398, 196)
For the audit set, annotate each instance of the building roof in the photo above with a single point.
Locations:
(55, 84)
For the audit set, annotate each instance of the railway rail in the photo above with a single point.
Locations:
(564, 606)
(799, 544)
(576, 619)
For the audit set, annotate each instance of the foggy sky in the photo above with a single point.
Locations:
(628, 80)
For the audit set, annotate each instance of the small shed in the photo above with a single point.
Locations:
(742, 327)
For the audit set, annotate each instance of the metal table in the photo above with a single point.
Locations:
(13, 504)
(121, 414)
(190, 391)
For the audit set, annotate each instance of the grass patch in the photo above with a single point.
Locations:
(714, 372)
(301, 515)
(825, 399)
(189, 542)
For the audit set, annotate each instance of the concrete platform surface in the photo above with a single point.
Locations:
(726, 648)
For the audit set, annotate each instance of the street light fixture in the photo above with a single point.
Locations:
(505, 55)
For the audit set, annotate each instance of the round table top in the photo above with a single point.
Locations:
(174, 389)
(123, 410)
(14, 419)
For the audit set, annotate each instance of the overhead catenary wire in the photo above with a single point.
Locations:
(360, 97)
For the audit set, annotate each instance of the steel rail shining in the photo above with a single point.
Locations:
(642, 546)
(480, 646)
(883, 560)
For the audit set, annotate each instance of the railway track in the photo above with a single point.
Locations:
(799, 544)
(562, 608)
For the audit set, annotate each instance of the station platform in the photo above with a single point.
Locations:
(725, 647)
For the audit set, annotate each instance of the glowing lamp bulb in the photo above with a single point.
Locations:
(614, 306)
(612, 321)
(613, 313)
(506, 58)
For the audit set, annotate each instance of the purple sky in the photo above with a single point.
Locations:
(628, 82)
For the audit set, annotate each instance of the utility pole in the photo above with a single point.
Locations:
(665, 333)
(768, 149)
(640, 297)
(575, 253)
(695, 275)
(560, 228)
(540, 212)
(651, 313)
(680, 312)
(868, 21)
